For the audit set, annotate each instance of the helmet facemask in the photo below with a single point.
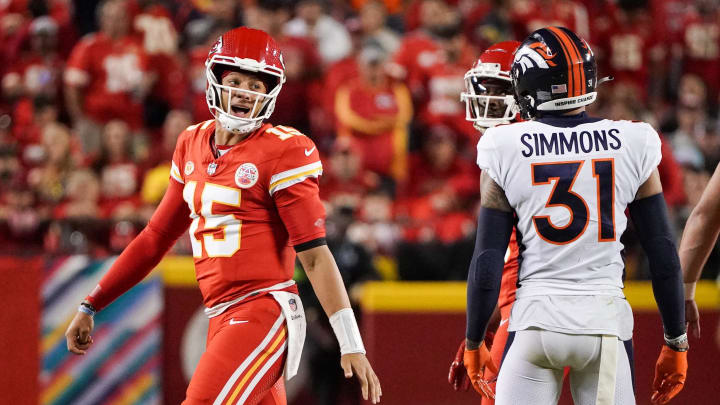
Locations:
(261, 107)
(488, 98)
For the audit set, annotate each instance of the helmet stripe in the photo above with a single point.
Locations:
(576, 60)
(580, 65)
(571, 71)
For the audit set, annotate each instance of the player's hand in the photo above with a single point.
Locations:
(692, 318)
(359, 364)
(475, 362)
(458, 376)
(78, 333)
(670, 372)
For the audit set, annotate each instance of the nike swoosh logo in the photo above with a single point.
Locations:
(504, 321)
(308, 152)
(234, 322)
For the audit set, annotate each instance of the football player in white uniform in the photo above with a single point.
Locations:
(564, 180)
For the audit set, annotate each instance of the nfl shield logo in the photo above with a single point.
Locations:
(293, 304)
(211, 168)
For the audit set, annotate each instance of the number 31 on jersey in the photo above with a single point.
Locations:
(564, 175)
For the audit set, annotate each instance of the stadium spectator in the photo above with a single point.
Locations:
(313, 22)
(302, 64)
(119, 171)
(82, 196)
(373, 16)
(375, 112)
(344, 182)
(106, 77)
(60, 158)
(443, 81)
(156, 179)
(38, 69)
(530, 15)
(153, 24)
(700, 45)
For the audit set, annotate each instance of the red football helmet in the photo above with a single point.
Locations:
(250, 50)
(488, 95)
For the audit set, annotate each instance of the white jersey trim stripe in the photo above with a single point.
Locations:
(175, 173)
(238, 372)
(292, 172)
(262, 372)
(293, 176)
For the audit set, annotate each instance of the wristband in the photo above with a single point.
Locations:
(674, 342)
(86, 308)
(690, 290)
(347, 332)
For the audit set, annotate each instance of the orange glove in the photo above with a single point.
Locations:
(670, 372)
(475, 362)
(457, 377)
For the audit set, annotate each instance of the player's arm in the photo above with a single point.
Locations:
(699, 237)
(495, 223)
(323, 273)
(649, 214)
(169, 221)
(297, 198)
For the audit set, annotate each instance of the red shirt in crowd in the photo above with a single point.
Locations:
(111, 72)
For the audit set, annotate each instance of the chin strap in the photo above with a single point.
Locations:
(237, 126)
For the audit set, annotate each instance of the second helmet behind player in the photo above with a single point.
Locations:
(554, 70)
(488, 95)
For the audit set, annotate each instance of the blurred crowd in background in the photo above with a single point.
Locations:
(95, 93)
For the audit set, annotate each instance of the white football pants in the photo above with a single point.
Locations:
(532, 371)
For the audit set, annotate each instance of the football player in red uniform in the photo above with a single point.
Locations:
(248, 192)
(489, 101)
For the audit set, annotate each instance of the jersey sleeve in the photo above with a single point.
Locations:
(652, 154)
(294, 187)
(77, 71)
(487, 156)
(178, 159)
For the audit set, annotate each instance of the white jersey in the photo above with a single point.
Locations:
(569, 181)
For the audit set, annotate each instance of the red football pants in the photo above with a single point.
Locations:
(498, 347)
(244, 357)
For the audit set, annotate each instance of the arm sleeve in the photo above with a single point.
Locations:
(295, 189)
(487, 156)
(653, 228)
(485, 272)
(168, 222)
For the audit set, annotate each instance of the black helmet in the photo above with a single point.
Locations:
(553, 70)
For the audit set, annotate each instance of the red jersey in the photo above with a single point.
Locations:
(249, 206)
(701, 49)
(531, 15)
(111, 71)
(508, 285)
(629, 49)
(244, 210)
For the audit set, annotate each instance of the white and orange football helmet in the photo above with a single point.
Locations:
(488, 95)
(249, 50)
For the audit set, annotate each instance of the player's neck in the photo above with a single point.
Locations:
(225, 137)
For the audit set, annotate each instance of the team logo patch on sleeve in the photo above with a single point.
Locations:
(189, 168)
(246, 175)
